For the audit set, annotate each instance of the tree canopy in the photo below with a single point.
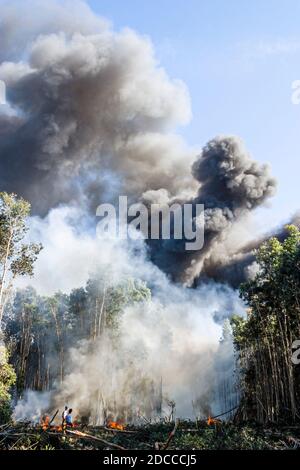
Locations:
(16, 257)
(265, 339)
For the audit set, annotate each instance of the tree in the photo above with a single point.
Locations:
(128, 292)
(7, 379)
(41, 330)
(264, 341)
(16, 258)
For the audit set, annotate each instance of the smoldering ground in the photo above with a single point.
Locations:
(92, 115)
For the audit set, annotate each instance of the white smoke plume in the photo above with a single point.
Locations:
(172, 337)
(174, 343)
(31, 406)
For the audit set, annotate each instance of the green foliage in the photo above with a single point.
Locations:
(264, 340)
(128, 293)
(239, 329)
(7, 380)
(16, 258)
(276, 285)
(13, 228)
(41, 330)
(225, 436)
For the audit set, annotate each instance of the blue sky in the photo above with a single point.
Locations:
(239, 60)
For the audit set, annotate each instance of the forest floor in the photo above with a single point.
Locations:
(187, 435)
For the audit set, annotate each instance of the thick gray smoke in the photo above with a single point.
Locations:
(232, 184)
(92, 110)
(240, 265)
(91, 116)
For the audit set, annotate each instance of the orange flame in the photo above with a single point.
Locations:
(116, 425)
(211, 421)
(45, 422)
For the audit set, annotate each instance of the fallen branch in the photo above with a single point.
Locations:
(18, 434)
(53, 417)
(225, 413)
(82, 435)
(5, 426)
(122, 431)
(172, 434)
(18, 440)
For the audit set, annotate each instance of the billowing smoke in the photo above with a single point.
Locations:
(232, 184)
(167, 350)
(32, 406)
(238, 265)
(92, 115)
(92, 118)
(167, 346)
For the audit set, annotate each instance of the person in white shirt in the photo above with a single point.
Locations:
(64, 415)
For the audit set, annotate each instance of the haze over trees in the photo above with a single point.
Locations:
(37, 331)
(42, 329)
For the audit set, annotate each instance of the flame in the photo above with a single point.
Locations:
(211, 421)
(45, 422)
(116, 425)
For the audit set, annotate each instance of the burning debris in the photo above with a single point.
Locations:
(115, 425)
(179, 435)
(45, 423)
(212, 421)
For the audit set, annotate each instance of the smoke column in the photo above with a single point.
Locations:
(92, 115)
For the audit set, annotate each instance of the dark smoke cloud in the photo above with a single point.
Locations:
(232, 184)
(93, 110)
(241, 265)
(230, 178)
(91, 118)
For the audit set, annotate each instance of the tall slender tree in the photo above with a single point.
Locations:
(16, 257)
(265, 340)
